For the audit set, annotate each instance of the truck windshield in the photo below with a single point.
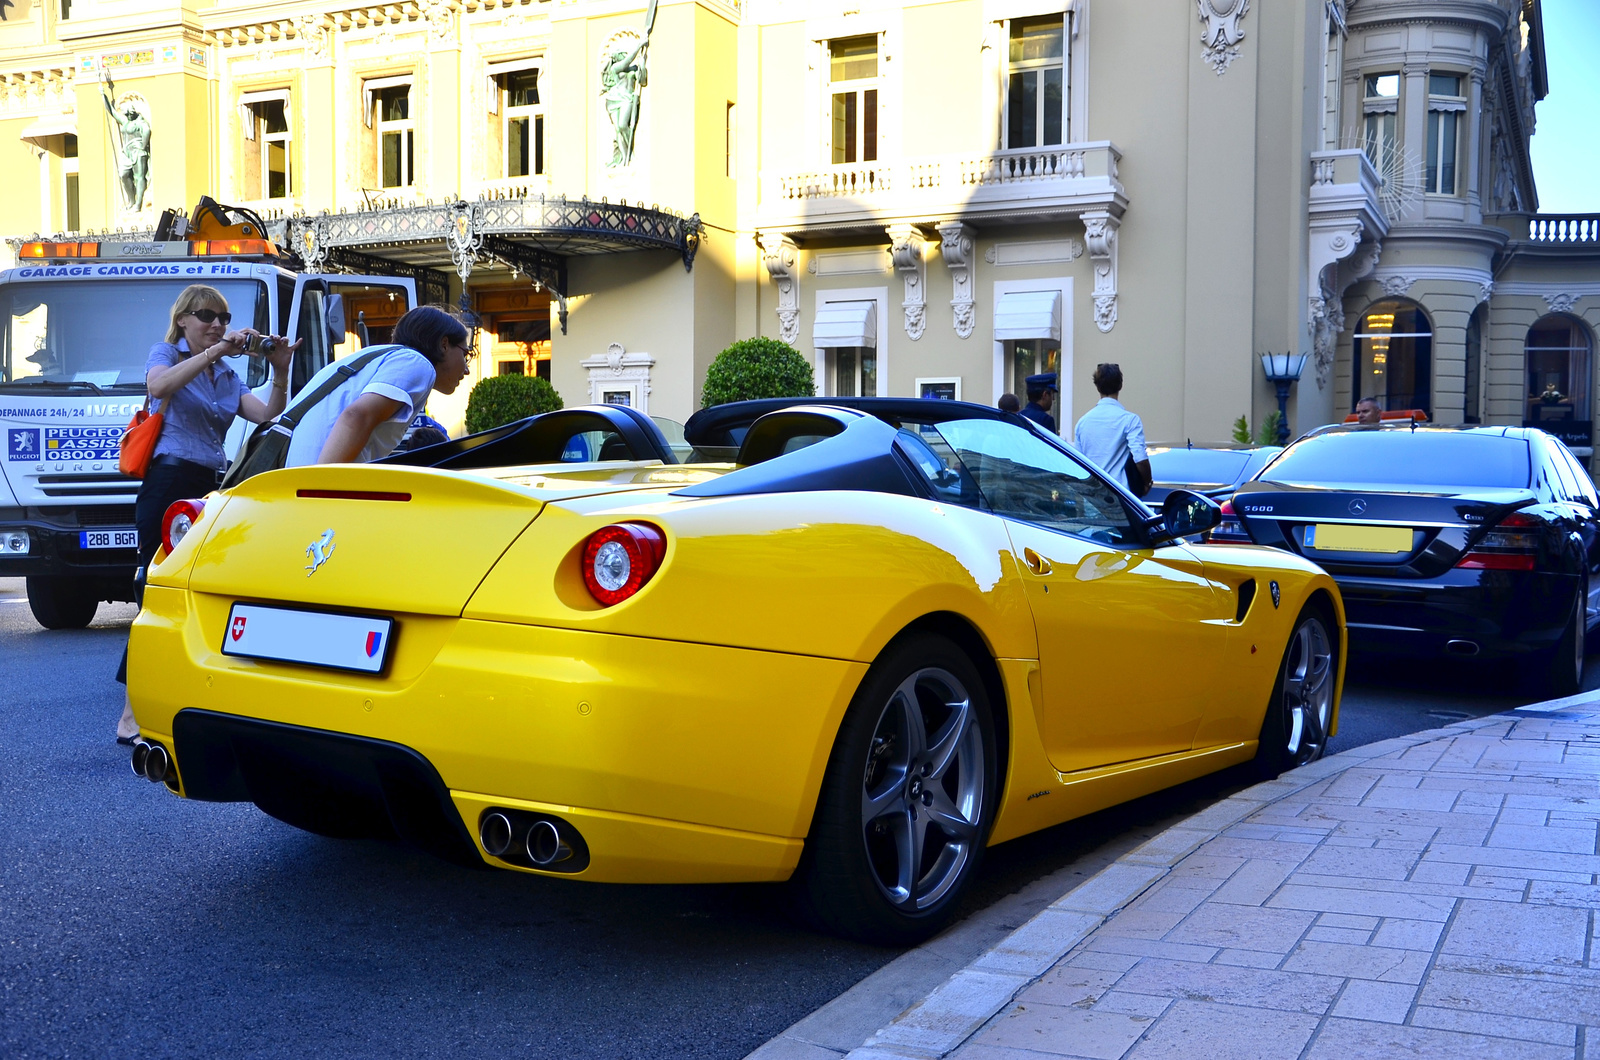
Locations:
(98, 334)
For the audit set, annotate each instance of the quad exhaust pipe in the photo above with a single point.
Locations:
(545, 845)
(152, 762)
(537, 840)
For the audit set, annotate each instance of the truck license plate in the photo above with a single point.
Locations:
(108, 539)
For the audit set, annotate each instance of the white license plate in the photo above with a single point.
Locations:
(108, 539)
(362, 643)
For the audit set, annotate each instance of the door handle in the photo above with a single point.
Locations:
(1036, 563)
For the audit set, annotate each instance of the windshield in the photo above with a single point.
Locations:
(1405, 459)
(1022, 476)
(1197, 467)
(98, 334)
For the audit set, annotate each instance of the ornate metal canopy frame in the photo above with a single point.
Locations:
(531, 236)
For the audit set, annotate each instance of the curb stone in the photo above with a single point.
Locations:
(944, 1020)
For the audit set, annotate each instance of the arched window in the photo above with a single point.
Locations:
(1557, 372)
(1394, 357)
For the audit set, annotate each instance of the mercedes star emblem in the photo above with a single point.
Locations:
(1358, 506)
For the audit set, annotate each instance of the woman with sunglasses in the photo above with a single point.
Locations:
(199, 395)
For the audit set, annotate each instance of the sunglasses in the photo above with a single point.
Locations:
(209, 316)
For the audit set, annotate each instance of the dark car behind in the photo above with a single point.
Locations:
(1469, 541)
(1214, 469)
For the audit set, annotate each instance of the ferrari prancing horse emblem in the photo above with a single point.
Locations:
(1277, 596)
(319, 551)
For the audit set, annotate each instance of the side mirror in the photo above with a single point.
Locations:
(333, 316)
(1185, 513)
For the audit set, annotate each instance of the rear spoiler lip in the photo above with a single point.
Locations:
(1491, 505)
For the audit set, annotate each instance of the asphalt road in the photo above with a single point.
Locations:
(135, 924)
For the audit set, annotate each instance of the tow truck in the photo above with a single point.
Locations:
(77, 321)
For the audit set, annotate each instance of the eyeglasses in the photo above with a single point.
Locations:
(208, 316)
(467, 352)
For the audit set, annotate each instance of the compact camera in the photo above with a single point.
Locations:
(259, 345)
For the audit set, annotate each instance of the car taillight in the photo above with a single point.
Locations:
(1512, 545)
(179, 520)
(619, 559)
(1230, 529)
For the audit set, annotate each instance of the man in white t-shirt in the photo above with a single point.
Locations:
(367, 415)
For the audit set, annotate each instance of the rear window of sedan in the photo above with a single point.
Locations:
(1402, 458)
(1197, 467)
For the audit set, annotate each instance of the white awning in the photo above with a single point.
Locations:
(846, 324)
(248, 99)
(48, 126)
(1028, 315)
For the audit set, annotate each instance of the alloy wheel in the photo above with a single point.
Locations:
(1307, 691)
(922, 789)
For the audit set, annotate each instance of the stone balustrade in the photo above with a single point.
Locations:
(1564, 228)
(1063, 180)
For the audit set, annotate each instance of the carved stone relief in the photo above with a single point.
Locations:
(1396, 286)
(780, 255)
(1561, 302)
(1339, 258)
(313, 32)
(905, 248)
(1222, 34)
(1100, 233)
(1485, 292)
(956, 244)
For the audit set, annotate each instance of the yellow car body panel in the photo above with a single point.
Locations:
(688, 728)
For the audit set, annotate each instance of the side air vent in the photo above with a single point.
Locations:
(1247, 595)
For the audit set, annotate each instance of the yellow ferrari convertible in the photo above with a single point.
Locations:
(850, 644)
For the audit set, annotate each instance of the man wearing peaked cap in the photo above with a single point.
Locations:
(1041, 398)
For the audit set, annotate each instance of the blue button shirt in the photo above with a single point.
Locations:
(196, 418)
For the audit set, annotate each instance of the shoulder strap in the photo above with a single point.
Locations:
(307, 402)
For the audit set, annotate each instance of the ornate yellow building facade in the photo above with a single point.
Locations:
(932, 198)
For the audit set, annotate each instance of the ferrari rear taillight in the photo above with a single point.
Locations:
(179, 520)
(619, 559)
(1229, 529)
(1512, 545)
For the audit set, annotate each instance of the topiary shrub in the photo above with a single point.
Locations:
(498, 399)
(757, 368)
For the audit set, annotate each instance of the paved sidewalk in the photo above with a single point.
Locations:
(1431, 896)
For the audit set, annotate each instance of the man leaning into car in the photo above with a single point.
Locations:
(366, 416)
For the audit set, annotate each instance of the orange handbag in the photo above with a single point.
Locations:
(139, 442)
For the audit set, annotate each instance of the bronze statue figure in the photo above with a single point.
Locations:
(133, 129)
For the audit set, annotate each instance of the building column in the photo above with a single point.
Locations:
(1414, 111)
(1474, 147)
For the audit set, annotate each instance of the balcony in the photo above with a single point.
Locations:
(1564, 228)
(1039, 184)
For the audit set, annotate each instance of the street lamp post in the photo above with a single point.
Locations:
(1283, 370)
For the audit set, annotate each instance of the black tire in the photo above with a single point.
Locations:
(62, 603)
(1295, 728)
(880, 761)
(1558, 674)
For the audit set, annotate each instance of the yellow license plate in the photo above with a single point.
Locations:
(1341, 537)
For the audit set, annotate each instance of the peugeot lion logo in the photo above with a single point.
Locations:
(319, 551)
(1358, 506)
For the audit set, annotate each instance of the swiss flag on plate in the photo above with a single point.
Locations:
(238, 627)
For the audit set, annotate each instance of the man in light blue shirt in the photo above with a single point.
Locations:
(1109, 434)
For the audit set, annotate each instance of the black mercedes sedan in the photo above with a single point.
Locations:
(1445, 541)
